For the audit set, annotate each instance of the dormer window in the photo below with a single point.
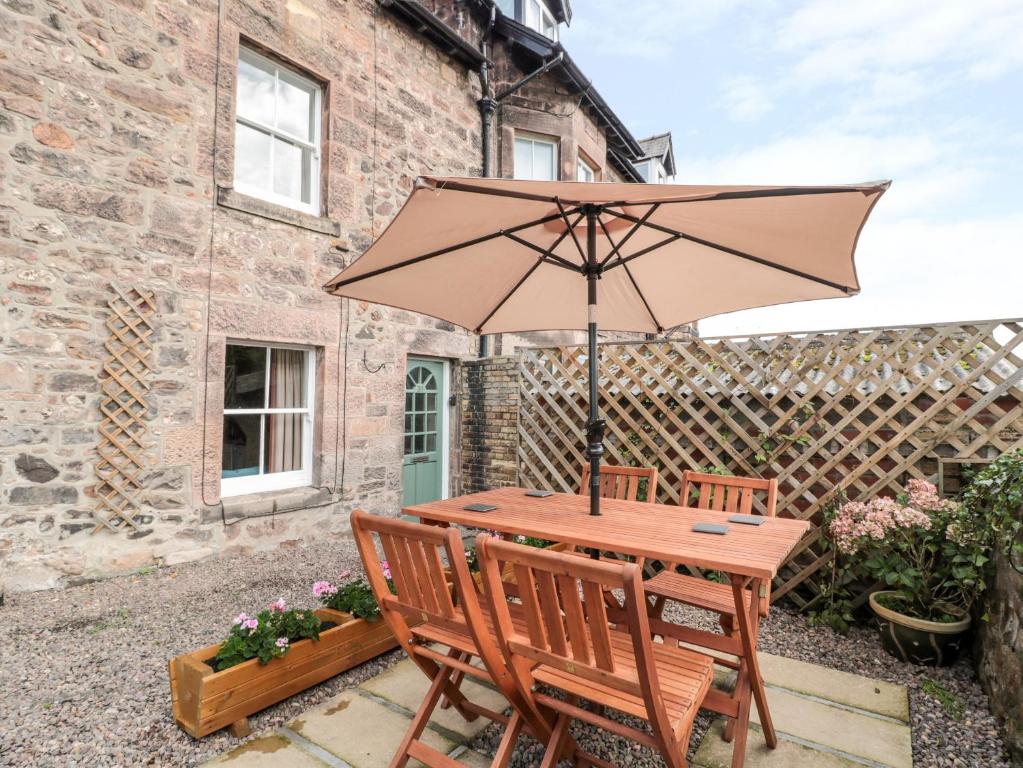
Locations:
(533, 13)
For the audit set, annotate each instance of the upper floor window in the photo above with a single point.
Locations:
(533, 13)
(277, 134)
(268, 419)
(536, 158)
(584, 171)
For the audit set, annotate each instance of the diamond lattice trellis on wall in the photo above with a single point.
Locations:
(122, 444)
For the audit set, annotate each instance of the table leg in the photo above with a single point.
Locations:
(749, 626)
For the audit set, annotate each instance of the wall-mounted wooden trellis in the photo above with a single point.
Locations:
(122, 444)
(860, 411)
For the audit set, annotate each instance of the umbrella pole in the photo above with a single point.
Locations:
(595, 425)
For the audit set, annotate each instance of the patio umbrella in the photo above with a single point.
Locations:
(502, 255)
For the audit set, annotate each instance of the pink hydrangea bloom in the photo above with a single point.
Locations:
(250, 624)
(282, 642)
(321, 588)
(278, 606)
(859, 521)
(924, 495)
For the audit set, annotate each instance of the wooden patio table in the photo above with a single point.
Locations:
(749, 554)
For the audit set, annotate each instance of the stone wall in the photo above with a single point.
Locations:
(116, 166)
(999, 652)
(490, 413)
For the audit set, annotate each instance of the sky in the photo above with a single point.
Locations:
(927, 93)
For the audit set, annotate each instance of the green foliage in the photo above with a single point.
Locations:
(835, 604)
(355, 597)
(994, 499)
(266, 636)
(949, 701)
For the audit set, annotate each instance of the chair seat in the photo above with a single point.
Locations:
(692, 590)
(684, 677)
(454, 637)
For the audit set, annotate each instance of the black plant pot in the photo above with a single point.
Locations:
(930, 643)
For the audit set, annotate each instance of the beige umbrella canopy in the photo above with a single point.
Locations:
(499, 255)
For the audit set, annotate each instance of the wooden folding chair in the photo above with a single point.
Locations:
(567, 644)
(723, 494)
(617, 482)
(421, 611)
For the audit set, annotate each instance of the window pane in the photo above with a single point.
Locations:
(255, 92)
(431, 422)
(282, 442)
(431, 443)
(543, 160)
(245, 378)
(523, 159)
(241, 445)
(431, 402)
(295, 108)
(408, 445)
(292, 170)
(287, 378)
(251, 157)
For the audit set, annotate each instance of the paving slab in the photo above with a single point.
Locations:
(714, 752)
(273, 751)
(864, 693)
(405, 684)
(852, 732)
(362, 732)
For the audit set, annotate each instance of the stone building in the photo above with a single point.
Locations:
(227, 157)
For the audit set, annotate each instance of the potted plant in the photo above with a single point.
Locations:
(268, 657)
(930, 555)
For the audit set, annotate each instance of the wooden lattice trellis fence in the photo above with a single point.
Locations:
(857, 411)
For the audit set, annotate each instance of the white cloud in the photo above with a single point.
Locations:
(745, 98)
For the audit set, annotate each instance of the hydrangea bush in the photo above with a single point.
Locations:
(267, 635)
(930, 551)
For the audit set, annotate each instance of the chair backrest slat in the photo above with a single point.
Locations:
(617, 482)
(732, 494)
(576, 636)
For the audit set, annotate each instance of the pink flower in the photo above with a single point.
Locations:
(278, 606)
(282, 642)
(387, 569)
(322, 588)
(344, 575)
(241, 618)
(250, 624)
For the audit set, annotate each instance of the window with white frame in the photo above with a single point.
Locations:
(584, 171)
(536, 158)
(536, 15)
(268, 418)
(277, 134)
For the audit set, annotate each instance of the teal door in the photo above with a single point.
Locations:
(421, 472)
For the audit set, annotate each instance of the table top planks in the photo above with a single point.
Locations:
(654, 531)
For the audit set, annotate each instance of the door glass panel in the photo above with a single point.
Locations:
(245, 377)
(431, 443)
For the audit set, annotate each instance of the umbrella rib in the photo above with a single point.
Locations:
(556, 260)
(571, 229)
(616, 249)
(446, 250)
(657, 323)
(545, 255)
(675, 235)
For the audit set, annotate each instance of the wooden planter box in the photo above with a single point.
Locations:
(205, 701)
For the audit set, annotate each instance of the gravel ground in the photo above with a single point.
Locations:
(84, 675)
(965, 738)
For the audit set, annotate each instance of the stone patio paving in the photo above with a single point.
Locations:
(824, 719)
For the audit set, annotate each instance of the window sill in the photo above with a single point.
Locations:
(254, 505)
(228, 197)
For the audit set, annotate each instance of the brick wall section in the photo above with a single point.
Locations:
(490, 413)
(999, 650)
